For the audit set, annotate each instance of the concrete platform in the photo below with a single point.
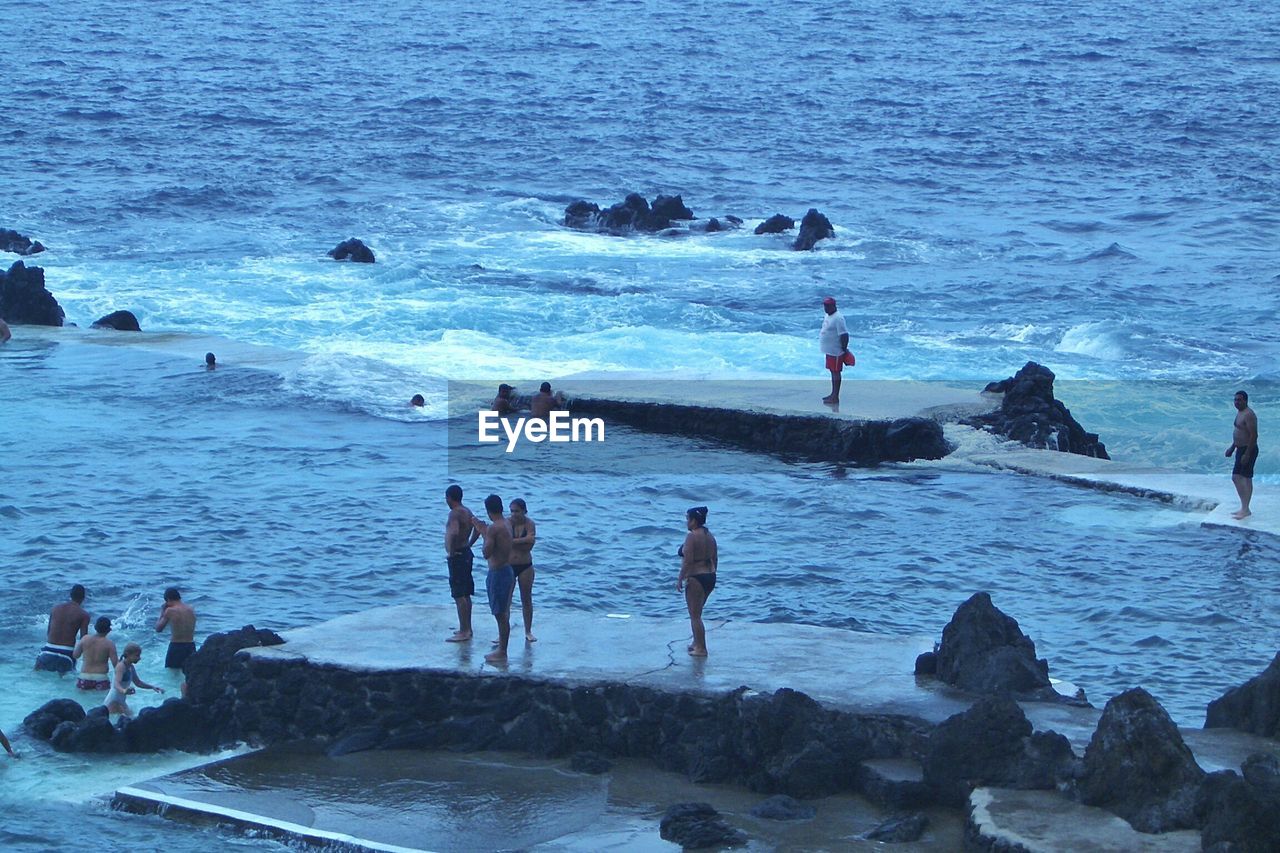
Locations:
(1048, 822)
(1213, 495)
(847, 670)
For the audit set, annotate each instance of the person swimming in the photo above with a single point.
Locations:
(699, 557)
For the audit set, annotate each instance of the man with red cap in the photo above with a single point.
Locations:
(834, 340)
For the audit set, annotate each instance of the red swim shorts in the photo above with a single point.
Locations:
(836, 363)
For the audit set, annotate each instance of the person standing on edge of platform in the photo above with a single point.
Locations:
(699, 557)
(180, 618)
(1244, 444)
(501, 582)
(524, 535)
(68, 622)
(459, 536)
(834, 342)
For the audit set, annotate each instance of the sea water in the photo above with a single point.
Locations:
(1086, 185)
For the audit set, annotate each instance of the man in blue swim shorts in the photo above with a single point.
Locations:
(501, 582)
(1244, 444)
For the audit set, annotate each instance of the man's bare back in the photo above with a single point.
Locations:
(181, 619)
(459, 534)
(67, 621)
(497, 544)
(95, 652)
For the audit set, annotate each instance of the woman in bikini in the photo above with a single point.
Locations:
(126, 681)
(524, 535)
(698, 560)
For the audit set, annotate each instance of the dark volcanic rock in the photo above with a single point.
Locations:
(813, 227)
(12, 241)
(696, 826)
(927, 663)
(1030, 414)
(205, 668)
(23, 298)
(360, 740)
(900, 830)
(352, 250)
(632, 214)
(176, 724)
(782, 807)
(1241, 815)
(985, 651)
(43, 720)
(1138, 766)
(1252, 707)
(121, 321)
(775, 224)
(992, 744)
(92, 734)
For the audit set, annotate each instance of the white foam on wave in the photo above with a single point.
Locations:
(1103, 340)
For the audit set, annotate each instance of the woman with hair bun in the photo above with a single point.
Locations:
(698, 560)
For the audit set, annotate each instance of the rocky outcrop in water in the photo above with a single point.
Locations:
(631, 215)
(12, 241)
(698, 826)
(813, 227)
(1252, 707)
(984, 651)
(1030, 414)
(1138, 766)
(24, 299)
(121, 321)
(352, 250)
(782, 807)
(992, 745)
(817, 437)
(775, 224)
(900, 830)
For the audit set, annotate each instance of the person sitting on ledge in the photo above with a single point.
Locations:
(699, 558)
(124, 681)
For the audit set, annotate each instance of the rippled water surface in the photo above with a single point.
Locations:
(1087, 185)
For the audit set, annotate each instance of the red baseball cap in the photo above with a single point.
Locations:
(830, 300)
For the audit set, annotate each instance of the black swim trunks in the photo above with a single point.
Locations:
(518, 568)
(461, 584)
(1245, 458)
(178, 654)
(706, 580)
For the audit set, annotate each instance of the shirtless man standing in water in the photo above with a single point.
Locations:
(94, 653)
(459, 536)
(180, 618)
(1244, 444)
(68, 622)
(699, 558)
(501, 582)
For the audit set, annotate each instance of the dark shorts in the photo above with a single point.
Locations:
(55, 659)
(1245, 457)
(518, 569)
(500, 584)
(178, 654)
(461, 584)
(707, 581)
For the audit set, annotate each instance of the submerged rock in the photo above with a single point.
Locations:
(43, 720)
(12, 241)
(24, 299)
(984, 651)
(1030, 414)
(697, 826)
(1138, 766)
(900, 830)
(813, 227)
(782, 807)
(121, 321)
(352, 250)
(1252, 707)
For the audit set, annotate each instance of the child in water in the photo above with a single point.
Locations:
(124, 681)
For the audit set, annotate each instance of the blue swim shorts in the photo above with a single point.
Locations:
(500, 584)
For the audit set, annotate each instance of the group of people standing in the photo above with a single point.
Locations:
(102, 666)
(508, 542)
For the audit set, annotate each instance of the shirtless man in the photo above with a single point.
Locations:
(67, 622)
(1244, 444)
(503, 404)
(699, 559)
(180, 618)
(501, 582)
(542, 403)
(459, 536)
(96, 651)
